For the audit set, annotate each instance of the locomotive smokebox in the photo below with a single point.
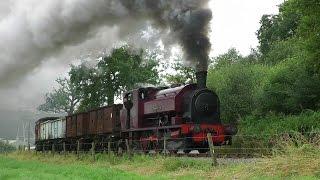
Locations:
(201, 79)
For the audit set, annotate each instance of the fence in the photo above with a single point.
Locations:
(242, 146)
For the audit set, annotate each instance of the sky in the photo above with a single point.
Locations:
(234, 24)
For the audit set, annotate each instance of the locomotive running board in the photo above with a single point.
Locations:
(153, 128)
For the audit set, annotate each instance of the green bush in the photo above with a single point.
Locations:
(276, 124)
(237, 86)
(5, 147)
(290, 88)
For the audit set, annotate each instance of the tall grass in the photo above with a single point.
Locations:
(264, 132)
(293, 161)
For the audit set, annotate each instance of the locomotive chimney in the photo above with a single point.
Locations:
(201, 79)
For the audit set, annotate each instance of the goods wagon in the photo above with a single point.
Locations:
(53, 128)
(82, 124)
(49, 129)
(95, 124)
(58, 128)
(71, 126)
(105, 120)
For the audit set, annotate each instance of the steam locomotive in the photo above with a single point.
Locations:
(183, 115)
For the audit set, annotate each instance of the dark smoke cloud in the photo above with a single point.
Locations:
(36, 30)
(187, 20)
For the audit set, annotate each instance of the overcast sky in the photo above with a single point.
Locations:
(234, 24)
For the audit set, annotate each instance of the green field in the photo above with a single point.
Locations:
(11, 168)
(294, 163)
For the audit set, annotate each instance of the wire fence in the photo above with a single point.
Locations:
(248, 145)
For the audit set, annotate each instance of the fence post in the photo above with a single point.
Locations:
(78, 148)
(128, 147)
(53, 149)
(64, 149)
(109, 147)
(165, 145)
(213, 156)
(93, 150)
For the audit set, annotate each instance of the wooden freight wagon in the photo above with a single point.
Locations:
(105, 120)
(71, 126)
(82, 124)
(93, 122)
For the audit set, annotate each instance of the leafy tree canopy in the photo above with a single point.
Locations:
(278, 27)
(63, 99)
(120, 71)
(183, 74)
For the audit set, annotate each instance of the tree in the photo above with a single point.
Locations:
(5, 147)
(124, 70)
(86, 80)
(227, 59)
(120, 71)
(290, 88)
(236, 86)
(308, 31)
(290, 41)
(63, 99)
(278, 27)
(183, 74)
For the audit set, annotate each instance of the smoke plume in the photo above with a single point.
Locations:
(36, 30)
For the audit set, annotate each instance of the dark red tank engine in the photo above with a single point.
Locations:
(184, 115)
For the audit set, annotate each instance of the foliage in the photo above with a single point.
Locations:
(87, 82)
(227, 59)
(278, 27)
(290, 88)
(282, 50)
(308, 31)
(63, 99)
(308, 121)
(298, 20)
(283, 77)
(122, 70)
(236, 84)
(183, 74)
(5, 147)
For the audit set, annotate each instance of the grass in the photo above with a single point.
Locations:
(265, 132)
(11, 168)
(291, 162)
